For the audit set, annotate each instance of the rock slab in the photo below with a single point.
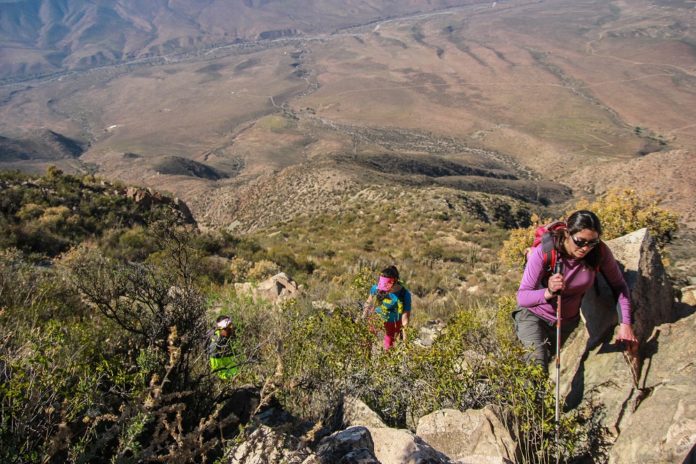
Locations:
(472, 436)
(663, 426)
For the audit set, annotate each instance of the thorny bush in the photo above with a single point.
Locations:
(108, 363)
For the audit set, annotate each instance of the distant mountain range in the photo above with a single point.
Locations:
(44, 36)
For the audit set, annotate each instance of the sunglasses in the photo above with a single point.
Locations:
(581, 243)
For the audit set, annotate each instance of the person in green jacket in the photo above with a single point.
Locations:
(224, 357)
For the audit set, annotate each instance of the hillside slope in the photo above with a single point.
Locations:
(44, 145)
(506, 98)
(43, 36)
(669, 175)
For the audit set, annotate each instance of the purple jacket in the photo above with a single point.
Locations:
(578, 279)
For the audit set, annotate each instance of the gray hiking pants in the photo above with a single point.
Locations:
(539, 335)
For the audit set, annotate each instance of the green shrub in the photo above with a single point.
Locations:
(621, 211)
(362, 282)
(45, 216)
(476, 362)
(239, 268)
(262, 270)
(515, 247)
(133, 244)
(321, 354)
(107, 362)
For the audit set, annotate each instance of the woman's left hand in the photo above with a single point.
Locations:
(627, 336)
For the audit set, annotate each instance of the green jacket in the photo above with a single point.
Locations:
(224, 356)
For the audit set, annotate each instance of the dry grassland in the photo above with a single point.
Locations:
(472, 78)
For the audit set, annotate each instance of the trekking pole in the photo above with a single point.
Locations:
(558, 269)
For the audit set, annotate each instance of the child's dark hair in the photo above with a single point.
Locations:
(392, 272)
(581, 220)
(221, 318)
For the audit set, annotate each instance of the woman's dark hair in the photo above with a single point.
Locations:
(581, 220)
(392, 272)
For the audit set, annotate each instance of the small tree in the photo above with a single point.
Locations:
(173, 416)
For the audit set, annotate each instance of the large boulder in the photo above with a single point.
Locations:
(399, 446)
(662, 428)
(651, 293)
(355, 412)
(274, 289)
(647, 404)
(598, 375)
(267, 446)
(473, 436)
(350, 446)
(589, 355)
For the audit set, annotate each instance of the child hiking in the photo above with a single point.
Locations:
(224, 358)
(392, 302)
(577, 246)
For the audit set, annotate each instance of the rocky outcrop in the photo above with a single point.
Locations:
(274, 289)
(661, 423)
(590, 361)
(651, 292)
(652, 301)
(600, 375)
(659, 387)
(147, 198)
(473, 436)
(651, 297)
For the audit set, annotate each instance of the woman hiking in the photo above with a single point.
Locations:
(577, 245)
(392, 301)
